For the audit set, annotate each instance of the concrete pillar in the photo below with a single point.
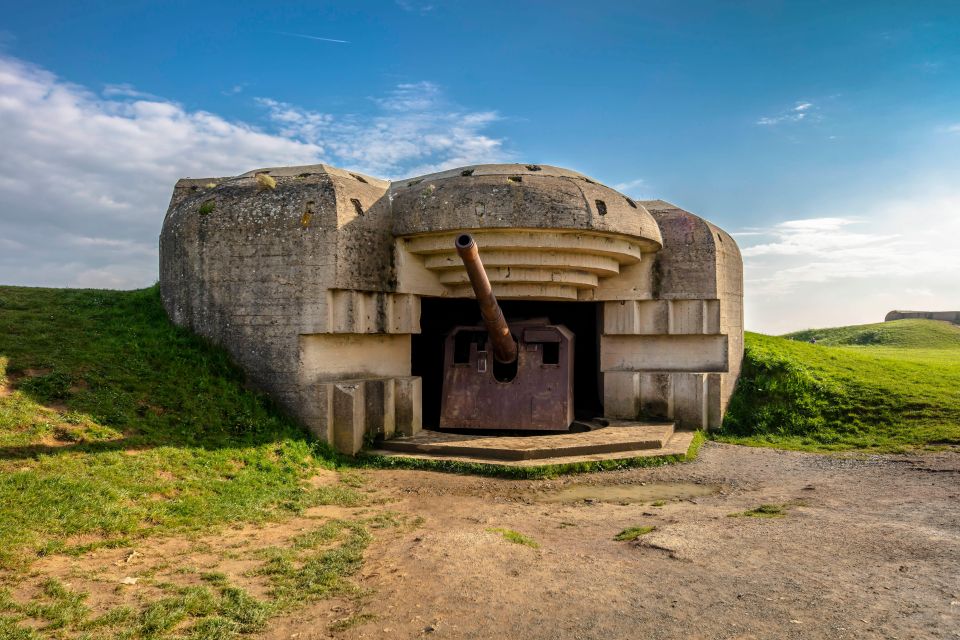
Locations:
(621, 394)
(349, 416)
(408, 405)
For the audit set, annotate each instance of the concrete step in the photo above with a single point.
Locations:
(620, 436)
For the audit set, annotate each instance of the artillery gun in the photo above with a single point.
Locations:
(498, 376)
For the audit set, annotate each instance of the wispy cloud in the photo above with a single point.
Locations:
(85, 177)
(125, 91)
(801, 111)
(416, 131)
(415, 7)
(849, 268)
(632, 187)
(307, 37)
(235, 89)
(953, 128)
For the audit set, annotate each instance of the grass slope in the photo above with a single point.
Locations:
(886, 387)
(114, 422)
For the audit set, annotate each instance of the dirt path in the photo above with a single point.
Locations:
(868, 548)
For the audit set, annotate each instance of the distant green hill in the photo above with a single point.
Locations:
(925, 334)
(882, 386)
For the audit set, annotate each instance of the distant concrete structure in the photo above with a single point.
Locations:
(946, 316)
(335, 290)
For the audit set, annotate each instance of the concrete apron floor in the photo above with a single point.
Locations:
(618, 441)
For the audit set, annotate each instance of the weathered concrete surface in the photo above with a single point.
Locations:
(618, 437)
(946, 316)
(312, 279)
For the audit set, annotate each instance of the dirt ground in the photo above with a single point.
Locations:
(869, 548)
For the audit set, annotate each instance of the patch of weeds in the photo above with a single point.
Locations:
(74, 418)
(215, 578)
(218, 616)
(312, 539)
(160, 617)
(207, 207)
(10, 630)
(198, 601)
(763, 511)
(352, 478)
(6, 601)
(214, 628)
(62, 608)
(248, 613)
(515, 537)
(338, 495)
(111, 618)
(352, 621)
(45, 388)
(632, 533)
(59, 547)
(386, 519)
(297, 574)
(658, 503)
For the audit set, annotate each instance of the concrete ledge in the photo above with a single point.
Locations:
(617, 438)
(677, 445)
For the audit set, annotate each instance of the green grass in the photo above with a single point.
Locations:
(195, 612)
(515, 537)
(632, 533)
(763, 511)
(885, 387)
(121, 425)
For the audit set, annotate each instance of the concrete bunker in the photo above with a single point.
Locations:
(337, 292)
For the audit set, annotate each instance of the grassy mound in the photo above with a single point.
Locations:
(880, 387)
(115, 424)
(912, 334)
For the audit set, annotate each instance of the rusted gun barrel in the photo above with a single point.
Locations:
(504, 346)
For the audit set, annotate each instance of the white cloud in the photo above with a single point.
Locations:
(415, 7)
(417, 131)
(85, 178)
(953, 128)
(633, 188)
(817, 272)
(125, 91)
(801, 111)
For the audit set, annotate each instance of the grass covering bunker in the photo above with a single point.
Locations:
(894, 390)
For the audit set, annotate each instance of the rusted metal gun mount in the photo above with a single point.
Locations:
(528, 384)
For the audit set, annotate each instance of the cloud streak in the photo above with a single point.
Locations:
(800, 112)
(307, 37)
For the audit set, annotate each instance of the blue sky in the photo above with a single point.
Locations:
(826, 135)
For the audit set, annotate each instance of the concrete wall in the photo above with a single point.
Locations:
(946, 316)
(681, 350)
(314, 284)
